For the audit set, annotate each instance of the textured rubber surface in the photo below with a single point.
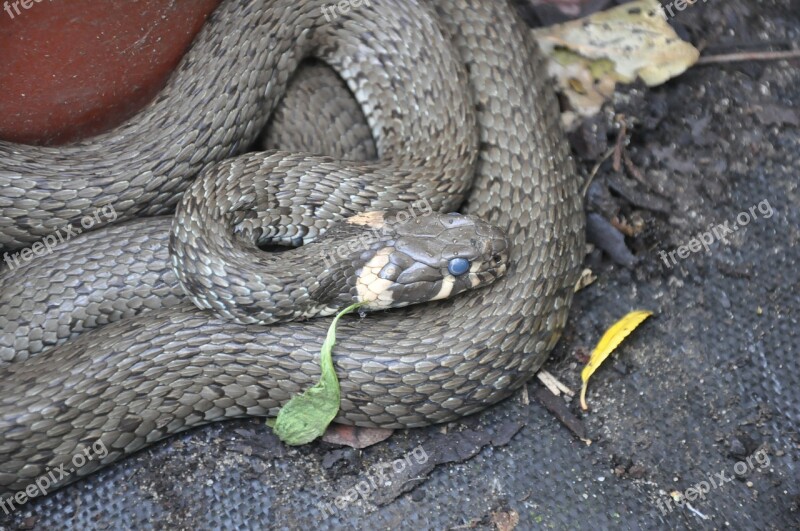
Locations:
(709, 377)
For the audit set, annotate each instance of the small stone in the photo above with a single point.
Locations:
(736, 447)
(637, 471)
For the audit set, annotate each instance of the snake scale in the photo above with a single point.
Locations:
(453, 93)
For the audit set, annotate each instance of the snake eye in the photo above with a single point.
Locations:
(458, 266)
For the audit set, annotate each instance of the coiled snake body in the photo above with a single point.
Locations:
(455, 97)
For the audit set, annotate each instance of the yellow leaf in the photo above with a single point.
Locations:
(608, 343)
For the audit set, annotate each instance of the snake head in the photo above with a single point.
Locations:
(417, 258)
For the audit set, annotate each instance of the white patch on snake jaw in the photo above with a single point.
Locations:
(373, 220)
(474, 280)
(447, 288)
(370, 287)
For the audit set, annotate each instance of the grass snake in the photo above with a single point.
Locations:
(453, 92)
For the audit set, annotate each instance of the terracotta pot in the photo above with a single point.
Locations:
(71, 69)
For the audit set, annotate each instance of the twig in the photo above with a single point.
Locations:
(595, 168)
(552, 383)
(524, 398)
(586, 279)
(695, 511)
(631, 167)
(616, 151)
(623, 131)
(748, 56)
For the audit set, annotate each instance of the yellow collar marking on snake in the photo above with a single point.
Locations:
(370, 287)
(373, 219)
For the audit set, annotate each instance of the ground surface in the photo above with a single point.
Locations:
(711, 381)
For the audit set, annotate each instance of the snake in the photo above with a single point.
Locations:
(103, 340)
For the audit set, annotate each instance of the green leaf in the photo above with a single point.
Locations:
(306, 417)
